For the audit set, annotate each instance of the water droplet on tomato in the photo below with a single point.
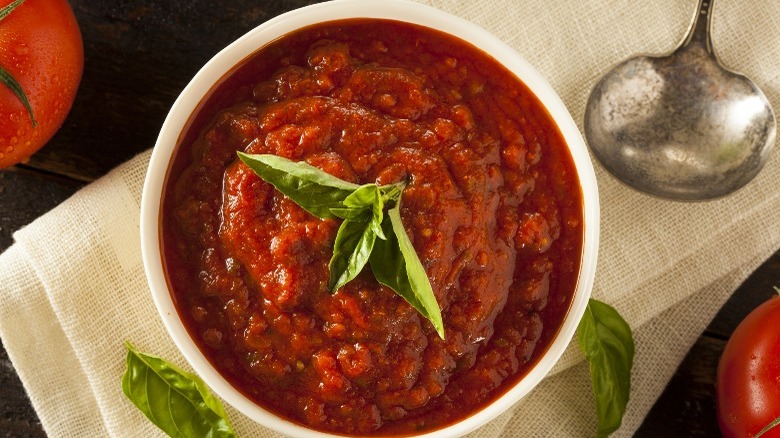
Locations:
(55, 80)
(9, 149)
(14, 140)
(22, 49)
(27, 143)
(2, 155)
(14, 117)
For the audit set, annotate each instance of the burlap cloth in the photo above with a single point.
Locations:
(73, 287)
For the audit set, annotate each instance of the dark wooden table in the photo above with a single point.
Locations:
(138, 57)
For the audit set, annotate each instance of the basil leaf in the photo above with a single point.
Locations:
(316, 191)
(376, 224)
(364, 196)
(605, 338)
(7, 9)
(769, 426)
(378, 215)
(373, 218)
(369, 196)
(353, 214)
(174, 400)
(396, 265)
(354, 243)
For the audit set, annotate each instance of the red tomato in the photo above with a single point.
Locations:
(749, 375)
(40, 46)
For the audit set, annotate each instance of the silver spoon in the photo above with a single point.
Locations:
(680, 126)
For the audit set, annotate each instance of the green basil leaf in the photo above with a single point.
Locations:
(9, 81)
(353, 214)
(369, 196)
(364, 196)
(376, 223)
(354, 243)
(378, 215)
(7, 9)
(769, 426)
(396, 265)
(174, 400)
(605, 338)
(371, 217)
(315, 190)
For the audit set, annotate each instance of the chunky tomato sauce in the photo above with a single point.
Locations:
(493, 208)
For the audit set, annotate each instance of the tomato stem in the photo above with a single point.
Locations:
(770, 425)
(7, 10)
(6, 78)
(14, 86)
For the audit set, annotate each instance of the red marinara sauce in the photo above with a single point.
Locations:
(493, 208)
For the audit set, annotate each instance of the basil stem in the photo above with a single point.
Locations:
(605, 338)
(367, 235)
(177, 402)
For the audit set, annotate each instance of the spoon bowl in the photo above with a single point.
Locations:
(680, 126)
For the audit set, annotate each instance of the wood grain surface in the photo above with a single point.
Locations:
(138, 56)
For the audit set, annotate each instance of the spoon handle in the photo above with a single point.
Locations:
(699, 30)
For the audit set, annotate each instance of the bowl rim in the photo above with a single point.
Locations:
(400, 10)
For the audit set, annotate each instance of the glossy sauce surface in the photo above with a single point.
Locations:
(493, 209)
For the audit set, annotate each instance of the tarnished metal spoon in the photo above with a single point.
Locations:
(680, 126)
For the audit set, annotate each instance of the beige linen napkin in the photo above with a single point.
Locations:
(73, 287)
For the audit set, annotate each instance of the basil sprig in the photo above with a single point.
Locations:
(367, 235)
(605, 338)
(177, 402)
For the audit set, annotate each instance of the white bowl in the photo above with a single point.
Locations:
(399, 10)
